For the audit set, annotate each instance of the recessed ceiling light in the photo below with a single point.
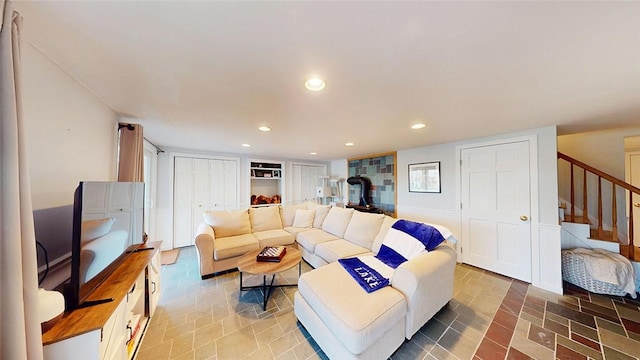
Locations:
(246, 145)
(264, 128)
(418, 126)
(315, 84)
(348, 144)
(313, 153)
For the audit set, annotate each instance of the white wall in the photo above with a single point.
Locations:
(443, 208)
(165, 185)
(445, 202)
(603, 150)
(71, 135)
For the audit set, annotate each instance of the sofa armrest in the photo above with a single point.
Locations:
(205, 238)
(427, 283)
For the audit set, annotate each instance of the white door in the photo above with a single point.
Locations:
(495, 210)
(634, 179)
(230, 182)
(182, 201)
(199, 185)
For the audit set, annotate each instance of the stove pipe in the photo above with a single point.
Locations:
(365, 186)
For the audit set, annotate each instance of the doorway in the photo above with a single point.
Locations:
(495, 182)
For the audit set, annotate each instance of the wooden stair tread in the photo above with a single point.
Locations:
(576, 220)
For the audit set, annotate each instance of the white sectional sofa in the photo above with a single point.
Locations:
(345, 320)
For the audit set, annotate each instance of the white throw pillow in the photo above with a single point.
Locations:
(93, 229)
(304, 218)
(321, 213)
(337, 221)
(287, 213)
(228, 223)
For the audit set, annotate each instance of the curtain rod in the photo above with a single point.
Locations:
(158, 150)
(128, 126)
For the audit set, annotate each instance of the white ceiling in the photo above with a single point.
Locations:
(205, 75)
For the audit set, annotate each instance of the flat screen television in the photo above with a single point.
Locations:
(107, 227)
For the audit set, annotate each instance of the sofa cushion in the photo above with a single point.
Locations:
(363, 228)
(321, 213)
(338, 300)
(337, 221)
(231, 246)
(265, 218)
(331, 251)
(275, 237)
(228, 223)
(295, 230)
(309, 239)
(384, 229)
(304, 218)
(288, 212)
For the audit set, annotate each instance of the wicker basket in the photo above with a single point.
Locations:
(575, 272)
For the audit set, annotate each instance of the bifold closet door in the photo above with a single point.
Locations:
(223, 192)
(183, 190)
(200, 185)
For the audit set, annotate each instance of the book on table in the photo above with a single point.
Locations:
(271, 253)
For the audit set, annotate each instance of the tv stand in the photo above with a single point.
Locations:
(111, 322)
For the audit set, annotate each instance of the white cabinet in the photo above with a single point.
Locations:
(199, 185)
(113, 330)
(305, 178)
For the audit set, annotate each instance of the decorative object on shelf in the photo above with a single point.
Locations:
(261, 170)
(265, 200)
(271, 253)
(424, 177)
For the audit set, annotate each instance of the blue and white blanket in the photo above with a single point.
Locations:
(404, 241)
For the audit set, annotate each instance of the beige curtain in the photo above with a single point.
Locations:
(19, 319)
(131, 154)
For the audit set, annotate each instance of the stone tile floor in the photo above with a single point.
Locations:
(491, 317)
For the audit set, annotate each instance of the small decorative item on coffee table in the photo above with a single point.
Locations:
(249, 264)
(271, 253)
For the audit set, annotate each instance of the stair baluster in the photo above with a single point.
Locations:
(600, 229)
(614, 214)
(573, 200)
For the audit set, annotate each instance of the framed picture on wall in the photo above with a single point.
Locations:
(424, 177)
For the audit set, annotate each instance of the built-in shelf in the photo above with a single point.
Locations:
(267, 182)
(265, 170)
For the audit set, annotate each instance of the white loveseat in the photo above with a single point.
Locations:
(224, 236)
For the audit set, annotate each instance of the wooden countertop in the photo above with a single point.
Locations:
(116, 286)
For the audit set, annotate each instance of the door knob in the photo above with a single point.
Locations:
(524, 218)
(636, 204)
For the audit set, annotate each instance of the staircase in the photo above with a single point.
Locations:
(599, 227)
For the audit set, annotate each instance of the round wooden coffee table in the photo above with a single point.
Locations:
(248, 264)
